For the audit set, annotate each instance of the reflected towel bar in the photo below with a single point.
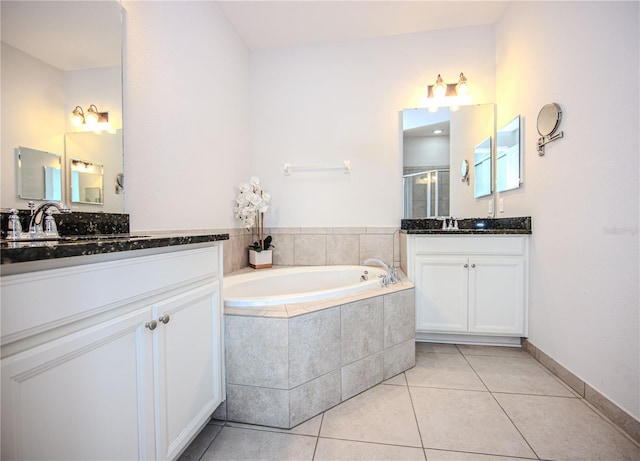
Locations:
(345, 167)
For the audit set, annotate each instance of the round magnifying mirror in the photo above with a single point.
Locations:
(464, 168)
(549, 119)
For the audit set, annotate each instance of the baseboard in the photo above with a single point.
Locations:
(624, 420)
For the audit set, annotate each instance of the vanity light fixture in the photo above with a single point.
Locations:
(91, 119)
(451, 95)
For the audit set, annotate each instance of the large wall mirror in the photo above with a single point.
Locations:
(434, 145)
(57, 55)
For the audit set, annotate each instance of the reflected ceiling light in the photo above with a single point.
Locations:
(77, 116)
(437, 131)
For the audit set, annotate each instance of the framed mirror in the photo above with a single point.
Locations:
(46, 72)
(482, 168)
(508, 156)
(86, 180)
(434, 144)
(39, 175)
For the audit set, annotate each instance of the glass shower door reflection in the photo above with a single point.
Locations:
(426, 194)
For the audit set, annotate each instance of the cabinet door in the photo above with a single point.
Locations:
(496, 301)
(441, 287)
(188, 360)
(88, 395)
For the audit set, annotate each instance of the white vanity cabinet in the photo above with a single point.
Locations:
(470, 288)
(112, 360)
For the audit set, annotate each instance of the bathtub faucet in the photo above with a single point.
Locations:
(391, 271)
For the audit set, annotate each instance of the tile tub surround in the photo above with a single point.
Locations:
(286, 364)
(518, 225)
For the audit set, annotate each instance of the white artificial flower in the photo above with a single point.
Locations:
(254, 181)
(266, 196)
(244, 187)
(242, 199)
(263, 208)
(255, 199)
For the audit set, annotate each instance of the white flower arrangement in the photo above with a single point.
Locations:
(251, 204)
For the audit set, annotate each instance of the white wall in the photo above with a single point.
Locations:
(583, 194)
(326, 104)
(32, 114)
(430, 151)
(186, 93)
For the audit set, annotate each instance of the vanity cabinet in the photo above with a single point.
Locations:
(132, 370)
(470, 288)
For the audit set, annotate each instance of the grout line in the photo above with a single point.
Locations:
(315, 448)
(415, 417)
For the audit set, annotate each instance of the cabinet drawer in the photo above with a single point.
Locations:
(39, 301)
(478, 244)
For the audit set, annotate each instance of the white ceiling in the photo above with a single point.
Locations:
(282, 24)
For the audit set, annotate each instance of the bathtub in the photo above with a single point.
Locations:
(270, 287)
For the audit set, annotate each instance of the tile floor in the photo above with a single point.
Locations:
(458, 403)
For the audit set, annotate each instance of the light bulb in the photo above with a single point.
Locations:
(440, 88)
(92, 116)
(462, 88)
(77, 117)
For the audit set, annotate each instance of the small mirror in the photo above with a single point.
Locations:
(482, 168)
(549, 119)
(86, 182)
(39, 175)
(548, 122)
(464, 171)
(508, 156)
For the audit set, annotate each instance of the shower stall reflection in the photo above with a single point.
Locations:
(426, 193)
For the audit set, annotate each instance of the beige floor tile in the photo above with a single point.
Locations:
(200, 443)
(437, 347)
(466, 421)
(382, 414)
(441, 455)
(443, 370)
(496, 351)
(346, 450)
(397, 380)
(310, 427)
(517, 375)
(563, 428)
(244, 444)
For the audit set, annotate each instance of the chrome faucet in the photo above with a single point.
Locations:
(41, 226)
(392, 275)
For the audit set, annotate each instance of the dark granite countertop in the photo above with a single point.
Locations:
(83, 245)
(468, 226)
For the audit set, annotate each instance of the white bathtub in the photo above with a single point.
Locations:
(269, 287)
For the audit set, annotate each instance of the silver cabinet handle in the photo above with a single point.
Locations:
(473, 265)
(151, 325)
(466, 265)
(165, 319)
